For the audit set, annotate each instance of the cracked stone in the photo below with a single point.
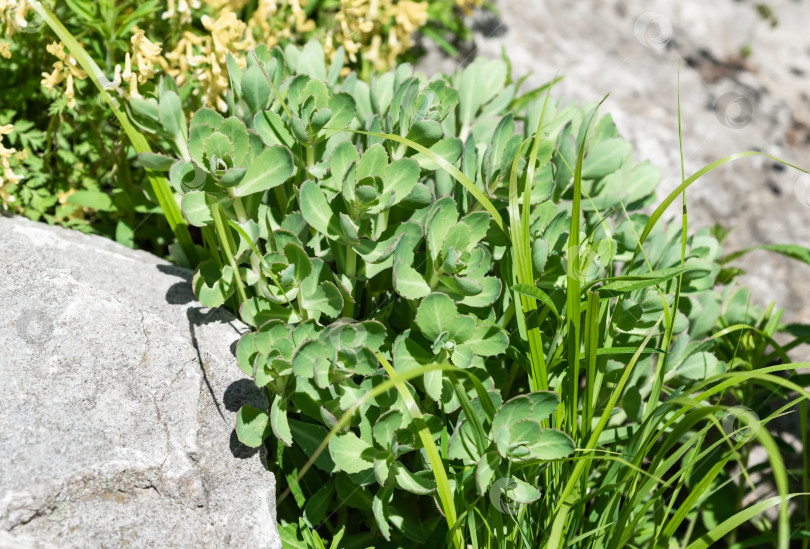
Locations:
(113, 433)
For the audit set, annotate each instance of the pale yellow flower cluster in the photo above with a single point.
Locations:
(146, 55)
(181, 10)
(12, 17)
(359, 25)
(204, 58)
(7, 176)
(13, 14)
(382, 29)
(66, 69)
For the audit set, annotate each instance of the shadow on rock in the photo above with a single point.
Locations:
(174, 270)
(180, 293)
(488, 24)
(199, 316)
(241, 392)
(239, 450)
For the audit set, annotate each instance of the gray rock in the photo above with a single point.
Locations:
(120, 400)
(632, 49)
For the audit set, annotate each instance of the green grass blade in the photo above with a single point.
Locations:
(718, 532)
(573, 311)
(436, 465)
(659, 211)
(521, 252)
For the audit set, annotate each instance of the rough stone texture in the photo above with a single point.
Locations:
(631, 49)
(120, 399)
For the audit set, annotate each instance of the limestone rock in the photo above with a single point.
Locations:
(121, 396)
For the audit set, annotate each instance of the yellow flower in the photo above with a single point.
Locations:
(8, 176)
(13, 15)
(182, 10)
(5, 50)
(146, 55)
(66, 69)
(411, 16)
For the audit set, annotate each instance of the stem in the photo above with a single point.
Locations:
(434, 458)
(351, 274)
(241, 215)
(225, 244)
(310, 157)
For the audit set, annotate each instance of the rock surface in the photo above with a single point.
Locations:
(632, 50)
(120, 400)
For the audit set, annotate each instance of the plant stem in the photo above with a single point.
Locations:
(351, 274)
(310, 157)
(225, 243)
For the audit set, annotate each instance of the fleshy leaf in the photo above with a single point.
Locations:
(252, 426)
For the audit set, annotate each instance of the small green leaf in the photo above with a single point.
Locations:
(144, 112)
(699, 366)
(435, 314)
(212, 286)
(488, 340)
(252, 426)
(538, 405)
(407, 281)
(348, 451)
(155, 161)
(255, 89)
(278, 420)
(491, 289)
(95, 200)
(311, 60)
(196, 209)
(343, 109)
(606, 157)
(420, 483)
(299, 258)
(170, 113)
(317, 212)
(272, 129)
(272, 168)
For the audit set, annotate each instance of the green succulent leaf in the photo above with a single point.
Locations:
(278, 420)
(407, 281)
(197, 209)
(272, 168)
(252, 426)
(213, 285)
(350, 453)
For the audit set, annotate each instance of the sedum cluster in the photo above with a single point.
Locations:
(361, 238)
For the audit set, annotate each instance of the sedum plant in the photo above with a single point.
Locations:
(466, 326)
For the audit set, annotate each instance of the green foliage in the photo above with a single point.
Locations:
(404, 253)
(75, 154)
(74, 151)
